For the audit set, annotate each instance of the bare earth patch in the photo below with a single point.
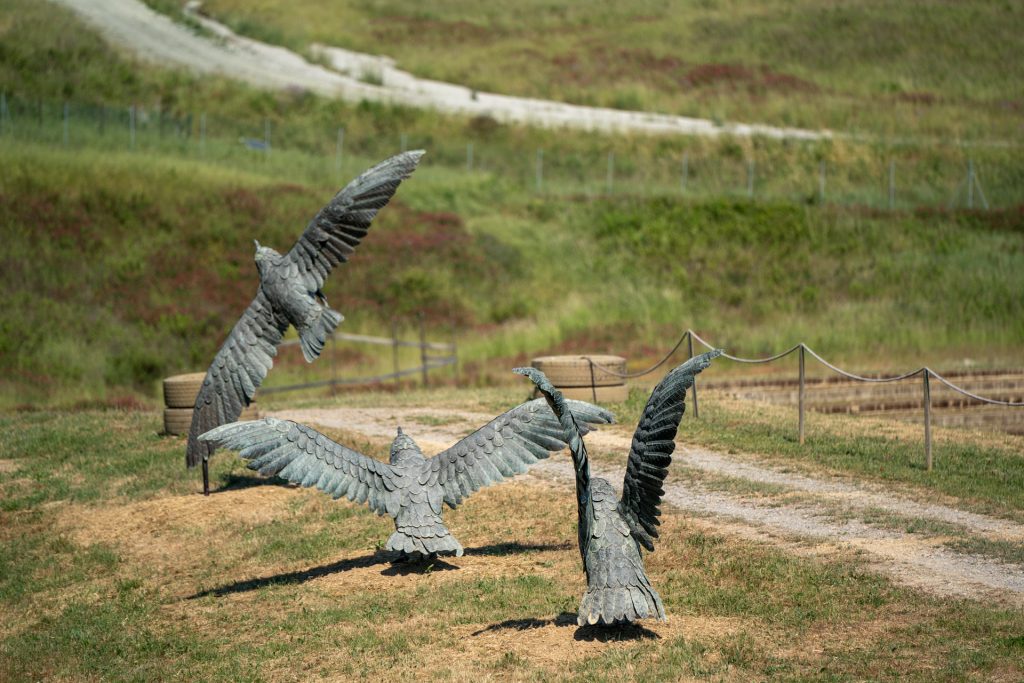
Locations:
(919, 559)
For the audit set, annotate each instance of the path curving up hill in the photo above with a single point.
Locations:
(157, 38)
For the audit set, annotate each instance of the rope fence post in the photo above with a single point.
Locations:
(802, 394)
(927, 420)
(689, 350)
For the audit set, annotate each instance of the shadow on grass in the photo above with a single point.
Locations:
(515, 547)
(602, 634)
(234, 481)
(380, 557)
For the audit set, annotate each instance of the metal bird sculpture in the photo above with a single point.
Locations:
(410, 488)
(290, 293)
(612, 531)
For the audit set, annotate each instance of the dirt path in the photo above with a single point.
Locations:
(826, 516)
(155, 37)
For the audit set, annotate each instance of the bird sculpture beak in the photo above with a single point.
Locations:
(400, 431)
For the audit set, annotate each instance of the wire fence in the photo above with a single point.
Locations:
(895, 176)
(803, 350)
(432, 356)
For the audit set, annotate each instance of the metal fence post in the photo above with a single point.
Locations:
(337, 150)
(540, 169)
(131, 126)
(202, 134)
(686, 172)
(610, 179)
(689, 347)
(821, 183)
(892, 185)
(394, 350)
(423, 349)
(802, 394)
(266, 137)
(66, 132)
(970, 183)
(750, 178)
(927, 420)
(469, 156)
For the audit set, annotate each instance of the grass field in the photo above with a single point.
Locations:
(113, 567)
(935, 69)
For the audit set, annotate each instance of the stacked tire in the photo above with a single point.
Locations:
(180, 393)
(595, 377)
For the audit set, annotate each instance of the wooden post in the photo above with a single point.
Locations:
(423, 350)
(802, 394)
(927, 420)
(689, 345)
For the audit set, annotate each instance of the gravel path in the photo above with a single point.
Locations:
(809, 526)
(155, 37)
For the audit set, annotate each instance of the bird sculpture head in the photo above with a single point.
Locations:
(265, 256)
(403, 448)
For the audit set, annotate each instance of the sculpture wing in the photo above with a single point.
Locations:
(238, 369)
(504, 447)
(651, 451)
(306, 457)
(573, 431)
(340, 226)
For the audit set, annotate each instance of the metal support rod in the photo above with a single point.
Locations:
(66, 132)
(821, 181)
(927, 420)
(394, 350)
(802, 395)
(892, 185)
(206, 477)
(266, 136)
(423, 349)
(610, 177)
(689, 349)
(540, 169)
(202, 133)
(750, 179)
(686, 172)
(131, 126)
(469, 156)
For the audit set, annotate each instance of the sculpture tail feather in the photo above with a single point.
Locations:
(314, 335)
(434, 539)
(610, 605)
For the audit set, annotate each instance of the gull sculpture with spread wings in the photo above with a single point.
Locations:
(612, 531)
(290, 293)
(410, 488)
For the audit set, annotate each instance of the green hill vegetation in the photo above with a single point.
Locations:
(919, 67)
(123, 265)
